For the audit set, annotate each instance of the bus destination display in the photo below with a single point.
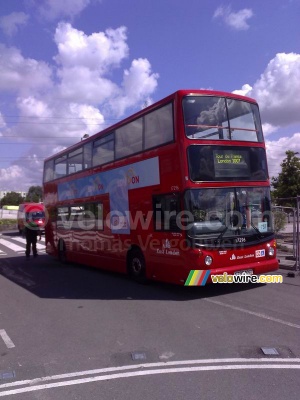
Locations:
(231, 163)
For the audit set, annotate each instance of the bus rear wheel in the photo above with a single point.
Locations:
(137, 266)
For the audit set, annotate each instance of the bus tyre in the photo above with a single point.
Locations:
(136, 266)
(62, 253)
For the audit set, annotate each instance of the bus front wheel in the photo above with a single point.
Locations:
(137, 266)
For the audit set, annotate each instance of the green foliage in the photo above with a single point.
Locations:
(287, 183)
(4, 222)
(7, 224)
(35, 194)
(11, 199)
(280, 220)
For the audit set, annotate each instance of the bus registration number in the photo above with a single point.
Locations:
(245, 272)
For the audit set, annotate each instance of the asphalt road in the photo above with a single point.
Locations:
(71, 332)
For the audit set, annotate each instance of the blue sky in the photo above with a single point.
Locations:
(76, 66)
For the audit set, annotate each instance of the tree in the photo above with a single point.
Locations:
(11, 199)
(287, 183)
(279, 220)
(35, 194)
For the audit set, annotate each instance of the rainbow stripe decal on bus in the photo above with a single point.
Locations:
(197, 277)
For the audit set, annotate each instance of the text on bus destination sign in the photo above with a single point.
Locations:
(228, 158)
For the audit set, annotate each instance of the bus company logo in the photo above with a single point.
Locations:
(167, 249)
(233, 257)
(132, 178)
(167, 244)
(260, 253)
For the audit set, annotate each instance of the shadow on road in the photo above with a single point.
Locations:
(48, 278)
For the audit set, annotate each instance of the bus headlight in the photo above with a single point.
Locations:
(271, 251)
(208, 260)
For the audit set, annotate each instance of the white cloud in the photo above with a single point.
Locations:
(21, 74)
(9, 175)
(85, 60)
(86, 85)
(235, 20)
(59, 109)
(268, 129)
(90, 116)
(2, 122)
(85, 69)
(276, 151)
(54, 9)
(99, 51)
(61, 123)
(138, 84)
(30, 106)
(246, 89)
(11, 23)
(277, 90)
(277, 93)
(25, 172)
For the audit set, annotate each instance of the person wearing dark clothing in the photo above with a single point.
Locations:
(31, 234)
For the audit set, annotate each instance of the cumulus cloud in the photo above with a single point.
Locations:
(10, 174)
(268, 129)
(77, 94)
(85, 84)
(85, 69)
(99, 51)
(244, 91)
(277, 90)
(19, 74)
(276, 151)
(2, 122)
(60, 123)
(25, 172)
(11, 23)
(30, 106)
(235, 20)
(277, 93)
(85, 60)
(90, 116)
(138, 83)
(54, 9)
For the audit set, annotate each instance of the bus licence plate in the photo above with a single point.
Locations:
(244, 271)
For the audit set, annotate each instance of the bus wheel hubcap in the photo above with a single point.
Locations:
(136, 265)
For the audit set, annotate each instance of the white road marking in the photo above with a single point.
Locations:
(240, 364)
(6, 339)
(39, 246)
(260, 315)
(11, 246)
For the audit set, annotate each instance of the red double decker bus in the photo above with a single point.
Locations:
(180, 186)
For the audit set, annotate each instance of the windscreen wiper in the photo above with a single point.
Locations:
(218, 240)
(259, 235)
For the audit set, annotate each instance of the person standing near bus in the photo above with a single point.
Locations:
(31, 233)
